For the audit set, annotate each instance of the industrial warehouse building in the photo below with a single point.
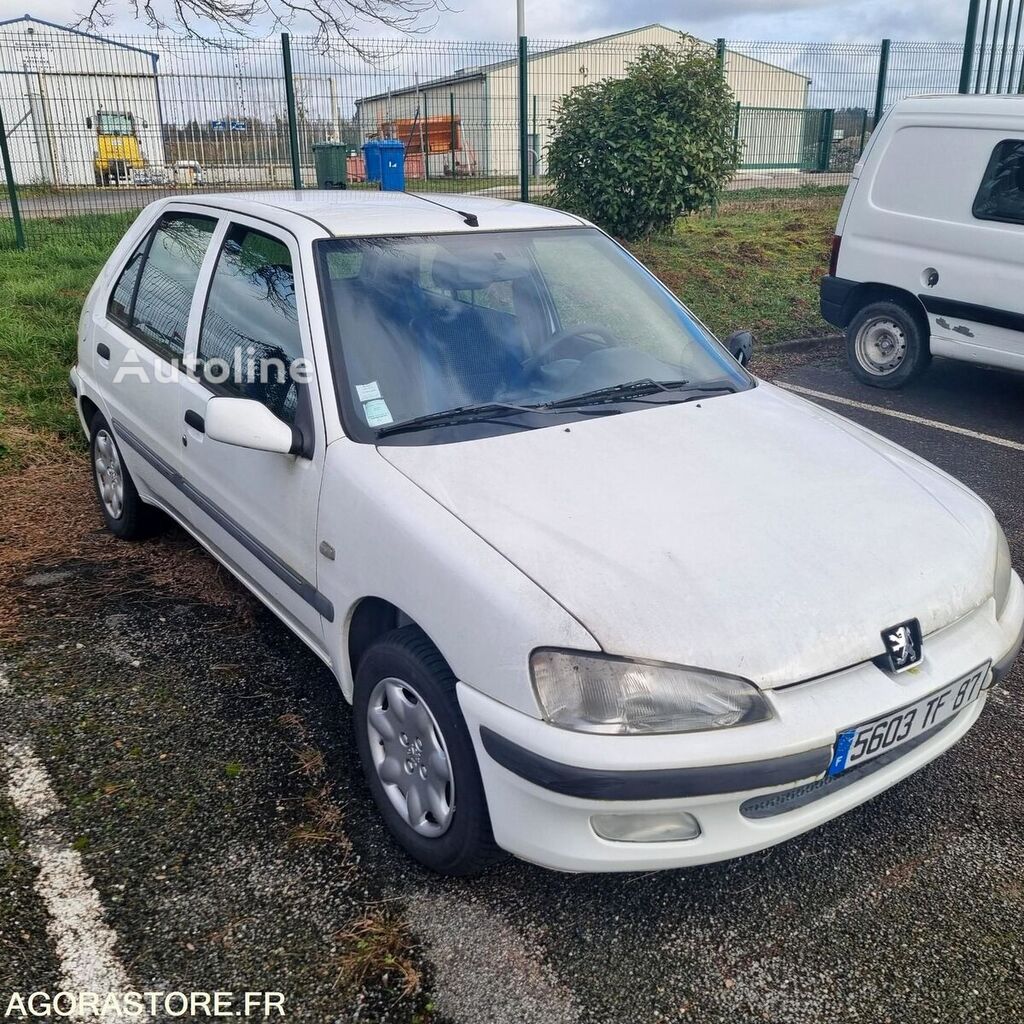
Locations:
(59, 88)
(772, 117)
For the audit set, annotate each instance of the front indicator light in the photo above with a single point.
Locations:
(1003, 575)
(670, 827)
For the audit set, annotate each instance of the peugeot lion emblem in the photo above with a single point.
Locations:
(903, 645)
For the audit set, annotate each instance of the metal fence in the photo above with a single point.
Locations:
(99, 125)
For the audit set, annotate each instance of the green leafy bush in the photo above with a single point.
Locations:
(633, 154)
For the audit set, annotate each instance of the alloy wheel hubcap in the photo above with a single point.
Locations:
(881, 346)
(410, 757)
(109, 474)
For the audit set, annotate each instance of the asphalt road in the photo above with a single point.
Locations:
(203, 772)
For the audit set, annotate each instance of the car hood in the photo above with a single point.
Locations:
(754, 534)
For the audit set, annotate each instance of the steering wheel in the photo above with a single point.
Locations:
(576, 331)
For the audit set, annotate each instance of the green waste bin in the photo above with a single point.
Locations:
(331, 162)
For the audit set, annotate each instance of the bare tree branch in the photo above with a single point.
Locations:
(332, 22)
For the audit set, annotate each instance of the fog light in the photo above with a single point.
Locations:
(669, 827)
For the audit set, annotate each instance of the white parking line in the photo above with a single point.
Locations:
(84, 942)
(1003, 442)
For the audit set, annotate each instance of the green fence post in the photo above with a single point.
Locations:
(451, 101)
(12, 188)
(970, 40)
(535, 138)
(720, 54)
(293, 125)
(863, 130)
(827, 127)
(524, 124)
(426, 138)
(981, 55)
(883, 79)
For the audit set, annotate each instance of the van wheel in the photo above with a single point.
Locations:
(887, 346)
(418, 757)
(127, 516)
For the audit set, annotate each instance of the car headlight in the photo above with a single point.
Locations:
(1004, 573)
(598, 693)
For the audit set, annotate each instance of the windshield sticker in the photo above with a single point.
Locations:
(377, 412)
(368, 392)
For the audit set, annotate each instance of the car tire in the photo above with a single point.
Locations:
(127, 516)
(887, 345)
(418, 757)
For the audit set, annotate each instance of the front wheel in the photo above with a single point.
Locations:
(418, 757)
(887, 346)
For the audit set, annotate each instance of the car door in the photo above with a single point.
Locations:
(139, 336)
(258, 509)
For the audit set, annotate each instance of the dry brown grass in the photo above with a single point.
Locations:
(51, 519)
(376, 950)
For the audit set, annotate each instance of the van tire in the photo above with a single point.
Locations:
(130, 518)
(882, 329)
(407, 656)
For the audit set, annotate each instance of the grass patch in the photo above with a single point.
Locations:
(44, 287)
(755, 265)
(376, 951)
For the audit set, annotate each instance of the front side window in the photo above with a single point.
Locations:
(153, 296)
(421, 325)
(1001, 196)
(250, 337)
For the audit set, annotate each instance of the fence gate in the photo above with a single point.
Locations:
(817, 140)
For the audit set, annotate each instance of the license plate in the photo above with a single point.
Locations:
(865, 742)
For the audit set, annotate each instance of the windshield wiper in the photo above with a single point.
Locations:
(635, 389)
(486, 412)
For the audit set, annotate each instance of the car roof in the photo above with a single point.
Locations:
(1004, 105)
(348, 213)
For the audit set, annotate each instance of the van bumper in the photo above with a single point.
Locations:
(834, 294)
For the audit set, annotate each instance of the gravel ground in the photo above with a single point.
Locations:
(208, 779)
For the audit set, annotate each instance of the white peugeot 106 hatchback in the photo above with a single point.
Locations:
(599, 597)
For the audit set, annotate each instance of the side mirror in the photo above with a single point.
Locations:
(248, 424)
(741, 345)
(88, 122)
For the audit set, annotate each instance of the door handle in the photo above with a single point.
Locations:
(195, 421)
(103, 350)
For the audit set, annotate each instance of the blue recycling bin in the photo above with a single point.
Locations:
(392, 165)
(371, 158)
(385, 162)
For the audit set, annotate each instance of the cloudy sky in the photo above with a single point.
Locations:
(840, 20)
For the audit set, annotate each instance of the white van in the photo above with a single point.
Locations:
(928, 257)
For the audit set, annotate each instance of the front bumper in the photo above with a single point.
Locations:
(749, 787)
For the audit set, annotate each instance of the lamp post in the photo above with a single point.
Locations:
(524, 144)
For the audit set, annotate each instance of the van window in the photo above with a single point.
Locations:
(154, 294)
(251, 322)
(1001, 196)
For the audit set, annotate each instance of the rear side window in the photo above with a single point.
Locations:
(250, 334)
(1001, 196)
(120, 307)
(154, 293)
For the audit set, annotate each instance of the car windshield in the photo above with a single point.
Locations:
(115, 124)
(420, 326)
